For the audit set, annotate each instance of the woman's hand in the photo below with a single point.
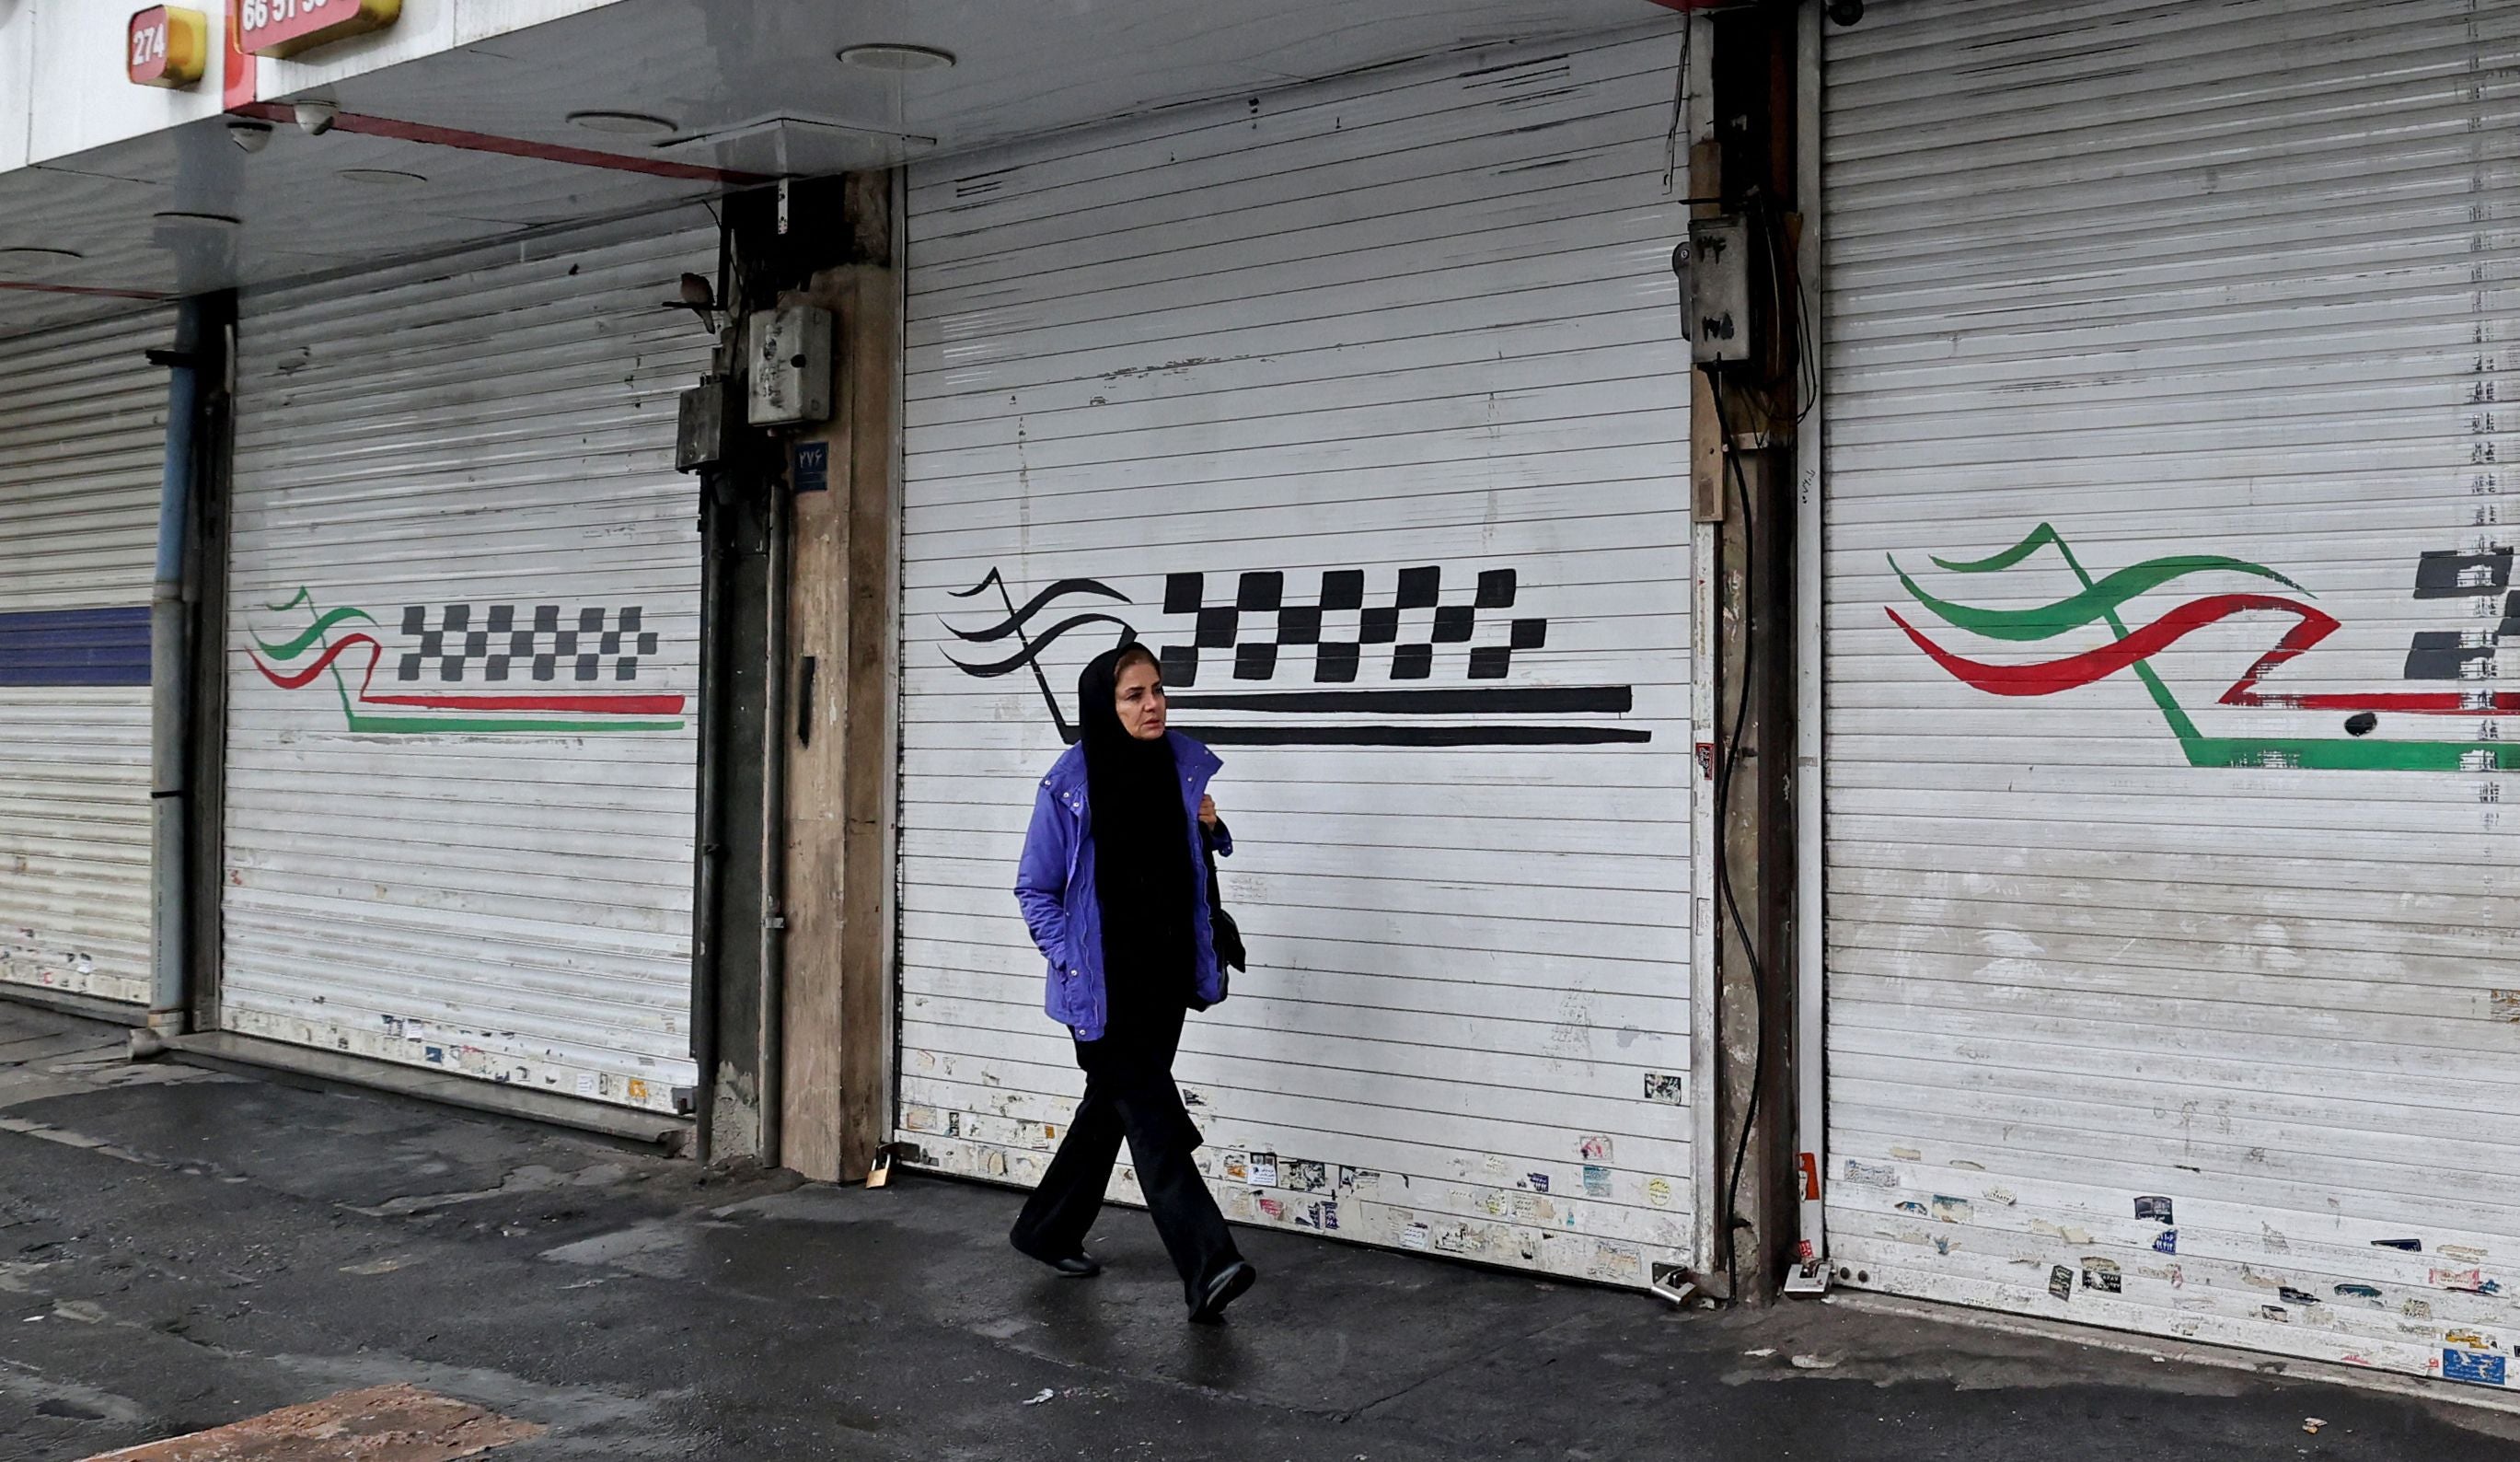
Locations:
(1207, 813)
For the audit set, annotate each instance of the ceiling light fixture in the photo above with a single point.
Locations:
(382, 177)
(181, 217)
(886, 56)
(37, 254)
(623, 123)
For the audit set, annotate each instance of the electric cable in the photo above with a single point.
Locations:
(1722, 793)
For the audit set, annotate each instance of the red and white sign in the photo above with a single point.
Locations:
(167, 46)
(284, 28)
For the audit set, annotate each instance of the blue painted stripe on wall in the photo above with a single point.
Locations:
(75, 647)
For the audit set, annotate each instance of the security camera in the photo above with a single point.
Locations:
(249, 136)
(317, 117)
(1846, 12)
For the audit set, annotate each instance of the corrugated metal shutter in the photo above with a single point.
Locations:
(1366, 404)
(83, 446)
(2170, 987)
(464, 650)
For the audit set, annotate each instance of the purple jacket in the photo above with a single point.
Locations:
(1056, 887)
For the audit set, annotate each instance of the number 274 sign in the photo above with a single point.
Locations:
(167, 46)
(284, 28)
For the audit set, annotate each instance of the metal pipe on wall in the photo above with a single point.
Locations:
(710, 844)
(774, 828)
(1811, 1061)
(170, 681)
(1707, 1233)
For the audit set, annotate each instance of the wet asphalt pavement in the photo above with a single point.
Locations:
(180, 1249)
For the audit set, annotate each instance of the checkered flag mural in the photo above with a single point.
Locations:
(1249, 629)
(541, 644)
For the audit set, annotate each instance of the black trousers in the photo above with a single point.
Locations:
(1129, 1091)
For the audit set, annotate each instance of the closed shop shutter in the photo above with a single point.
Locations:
(2171, 882)
(463, 652)
(1365, 405)
(82, 449)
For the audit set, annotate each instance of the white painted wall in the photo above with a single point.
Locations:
(79, 94)
(17, 74)
(1413, 323)
(82, 439)
(486, 872)
(2150, 1008)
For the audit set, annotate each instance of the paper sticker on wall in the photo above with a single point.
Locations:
(1595, 1148)
(1596, 1181)
(1237, 1167)
(2103, 1275)
(1667, 1088)
(1951, 1210)
(1415, 1236)
(1871, 1175)
(2165, 1241)
(2475, 1367)
(1264, 1170)
(1612, 1263)
(1538, 1181)
(1306, 1176)
(2061, 1282)
(2157, 1210)
(1659, 1193)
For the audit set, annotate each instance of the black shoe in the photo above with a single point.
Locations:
(1077, 1266)
(1222, 1291)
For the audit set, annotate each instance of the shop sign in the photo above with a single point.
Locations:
(167, 46)
(284, 28)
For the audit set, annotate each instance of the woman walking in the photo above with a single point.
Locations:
(1113, 888)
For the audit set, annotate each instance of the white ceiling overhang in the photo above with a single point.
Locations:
(476, 142)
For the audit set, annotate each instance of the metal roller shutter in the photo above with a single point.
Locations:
(83, 447)
(463, 651)
(2169, 881)
(1366, 404)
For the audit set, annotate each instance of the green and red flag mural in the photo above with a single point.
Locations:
(528, 655)
(2435, 657)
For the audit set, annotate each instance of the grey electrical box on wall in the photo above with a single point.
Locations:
(1719, 290)
(789, 355)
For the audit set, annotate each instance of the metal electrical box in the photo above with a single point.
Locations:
(1719, 292)
(700, 427)
(788, 360)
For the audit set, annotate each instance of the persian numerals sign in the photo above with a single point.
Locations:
(284, 28)
(167, 46)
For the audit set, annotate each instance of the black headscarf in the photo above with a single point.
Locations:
(1142, 863)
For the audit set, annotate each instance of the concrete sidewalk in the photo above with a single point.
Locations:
(180, 1249)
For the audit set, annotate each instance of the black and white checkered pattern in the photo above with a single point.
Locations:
(499, 646)
(1259, 622)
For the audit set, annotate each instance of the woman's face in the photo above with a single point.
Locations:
(1141, 700)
